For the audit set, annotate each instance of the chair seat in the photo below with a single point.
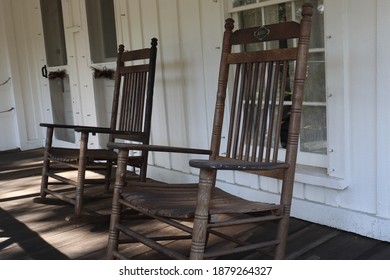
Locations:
(178, 201)
(67, 155)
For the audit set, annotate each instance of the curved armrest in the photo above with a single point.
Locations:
(157, 148)
(232, 164)
(93, 129)
(53, 125)
(134, 136)
(78, 128)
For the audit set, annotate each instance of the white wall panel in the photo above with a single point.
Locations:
(361, 89)
(171, 51)
(383, 105)
(23, 56)
(8, 121)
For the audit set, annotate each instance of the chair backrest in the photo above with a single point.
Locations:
(254, 80)
(133, 93)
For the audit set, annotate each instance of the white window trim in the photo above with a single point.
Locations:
(254, 5)
(336, 88)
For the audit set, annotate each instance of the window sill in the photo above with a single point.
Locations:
(317, 176)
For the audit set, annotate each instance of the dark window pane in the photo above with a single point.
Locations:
(53, 30)
(101, 29)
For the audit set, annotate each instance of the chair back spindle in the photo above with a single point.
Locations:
(134, 93)
(259, 91)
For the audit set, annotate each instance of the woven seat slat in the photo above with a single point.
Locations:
(179, 201)
(72, 156)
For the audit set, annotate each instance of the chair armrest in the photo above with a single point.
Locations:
(53, 125)
(157, 148)
(94, 129)
(134, 136)
(232, 164)
(79, 128)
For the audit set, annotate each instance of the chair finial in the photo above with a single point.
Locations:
(121, 48)
(307, 10)
(154, 42)
(229, 24)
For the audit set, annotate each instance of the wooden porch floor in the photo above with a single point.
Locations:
(34, 231)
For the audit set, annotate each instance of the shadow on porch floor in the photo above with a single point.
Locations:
(34, 231)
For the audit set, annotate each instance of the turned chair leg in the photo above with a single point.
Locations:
(45, 178)
(107, 177)
(79, 196)
(116, 212)
(280, 251)
(200, 233)
(46, 161)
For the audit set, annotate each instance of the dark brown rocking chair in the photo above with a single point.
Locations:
(202, 211)
(130, 121)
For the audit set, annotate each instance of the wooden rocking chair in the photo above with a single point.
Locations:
(256, 101)
(130, 121)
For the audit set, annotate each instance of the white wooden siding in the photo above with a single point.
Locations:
(8, 121)
(383, 104)
(21, 25)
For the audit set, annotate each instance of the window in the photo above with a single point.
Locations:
(53, 29)
(313, 137)
(101, 29)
